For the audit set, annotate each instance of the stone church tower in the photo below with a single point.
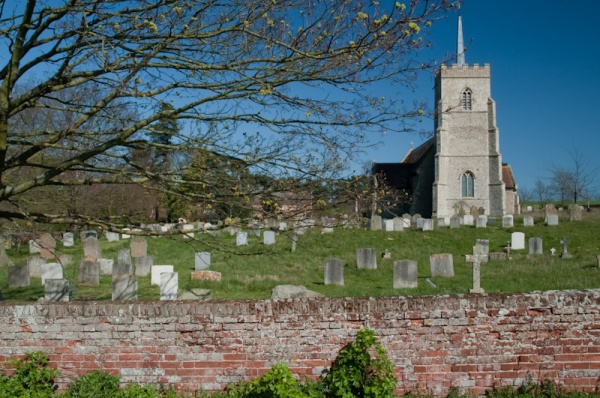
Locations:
(468, 164)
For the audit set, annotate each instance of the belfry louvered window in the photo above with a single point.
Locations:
(466, 100)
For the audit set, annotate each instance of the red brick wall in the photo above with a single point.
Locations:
(437, 342)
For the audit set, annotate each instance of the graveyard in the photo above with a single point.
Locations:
(324, 259)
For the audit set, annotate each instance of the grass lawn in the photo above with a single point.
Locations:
(250, 272)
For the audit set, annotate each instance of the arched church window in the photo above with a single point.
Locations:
(466, 100)
(468, 185)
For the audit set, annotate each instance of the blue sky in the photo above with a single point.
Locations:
(545, 64)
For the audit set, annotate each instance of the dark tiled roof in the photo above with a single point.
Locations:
(415, 155)
(508, 178)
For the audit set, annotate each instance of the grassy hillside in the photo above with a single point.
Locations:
(250, 272)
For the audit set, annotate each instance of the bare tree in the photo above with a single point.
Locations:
(574, 181)
(286, 90)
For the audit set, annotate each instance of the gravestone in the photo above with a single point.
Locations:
(376, 223)
(575, 212)
(366, 258)
(18, 276)
(34, 246)
(90, 233)
(47, 245)
(415, 217)
(550, 209)
(481, 222)
(139, 246)
(553, 252)
(125, 235)
(106, 265)
(468, 219)
(441, 265)
(124, 288)
(120, 269)
(389, 225)
(56, 290)
(419, 222)
(234, 230)
(124, 256)
(201, 260)
(65, 260)
(156, 271)
(535, 246)
(269, 238)
(188, 228)
(51, 271)
(68, 239)
(427, 224)
(405, 274)
(4, 259)
(454, 222)
(255, 231)
(443, 222)
(528, 221)
(143, 265)
(112, 236)
(204, 275)
(491, 221)
(476, 276)
(89, 273)
(334, 272)
(169, 286)
(398, 224)
(91, 248)
(34, 263)
(482, 247)
(282, 226)
(552, 219)
(295, 238)
(517, 241)
(565, 253)
(507, 221)
(241, 239)
(498, 256)
(406, 222)
(529, 208)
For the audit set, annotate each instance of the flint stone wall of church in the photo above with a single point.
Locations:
(471, 342)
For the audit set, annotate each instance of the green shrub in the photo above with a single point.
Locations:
(361, 370)
(96, 384)
(32, 377)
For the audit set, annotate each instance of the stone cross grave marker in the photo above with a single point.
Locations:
(366, 258)
(405, 274)
(441, 265)
(476, 275)
(201, 260)
(535, 246)
(169, 286)
(565, 253)
(334, 272)
(56, 290)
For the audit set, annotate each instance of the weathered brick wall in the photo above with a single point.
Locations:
(437, 342)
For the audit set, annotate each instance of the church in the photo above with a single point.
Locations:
(459, 170)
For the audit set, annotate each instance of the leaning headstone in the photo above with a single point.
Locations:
(112, 236)
(476, 276)
(517, 241)
(156, 271)
(481, 222)
(91, 248)
(366, 259)
(376, 223)
(454, 222)
(34, 263)
(269, 238)
(441, 265)
(241, 239)
(68, 239)
(34, 246)
(565, 253)
(51, 271)
(56, 290)
(528, 221)
(139, 247)
(405, 274)
(18, 276)
(89, 273)
(575, 212)
(143, 265)
(507, 221)
(334, 272)
(552, 219)
(398, 224)
(124, 288)
(535, 246)
(124, 256)
(169, 285)
(201, 260)
(427, 224)
(106, 265)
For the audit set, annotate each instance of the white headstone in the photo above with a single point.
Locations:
(188, 227)
(241, 239)
(468, 219)
(507, 221)
(68, 239)
(517, 241)
(51, 271)
(156, 271)
(169, 285)
(427, 224)
(269, 237)
(202, 260)
(528, 221)
(389, 225)
(112, 236)
(481, 222)
(552, 219)
(34, 246)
